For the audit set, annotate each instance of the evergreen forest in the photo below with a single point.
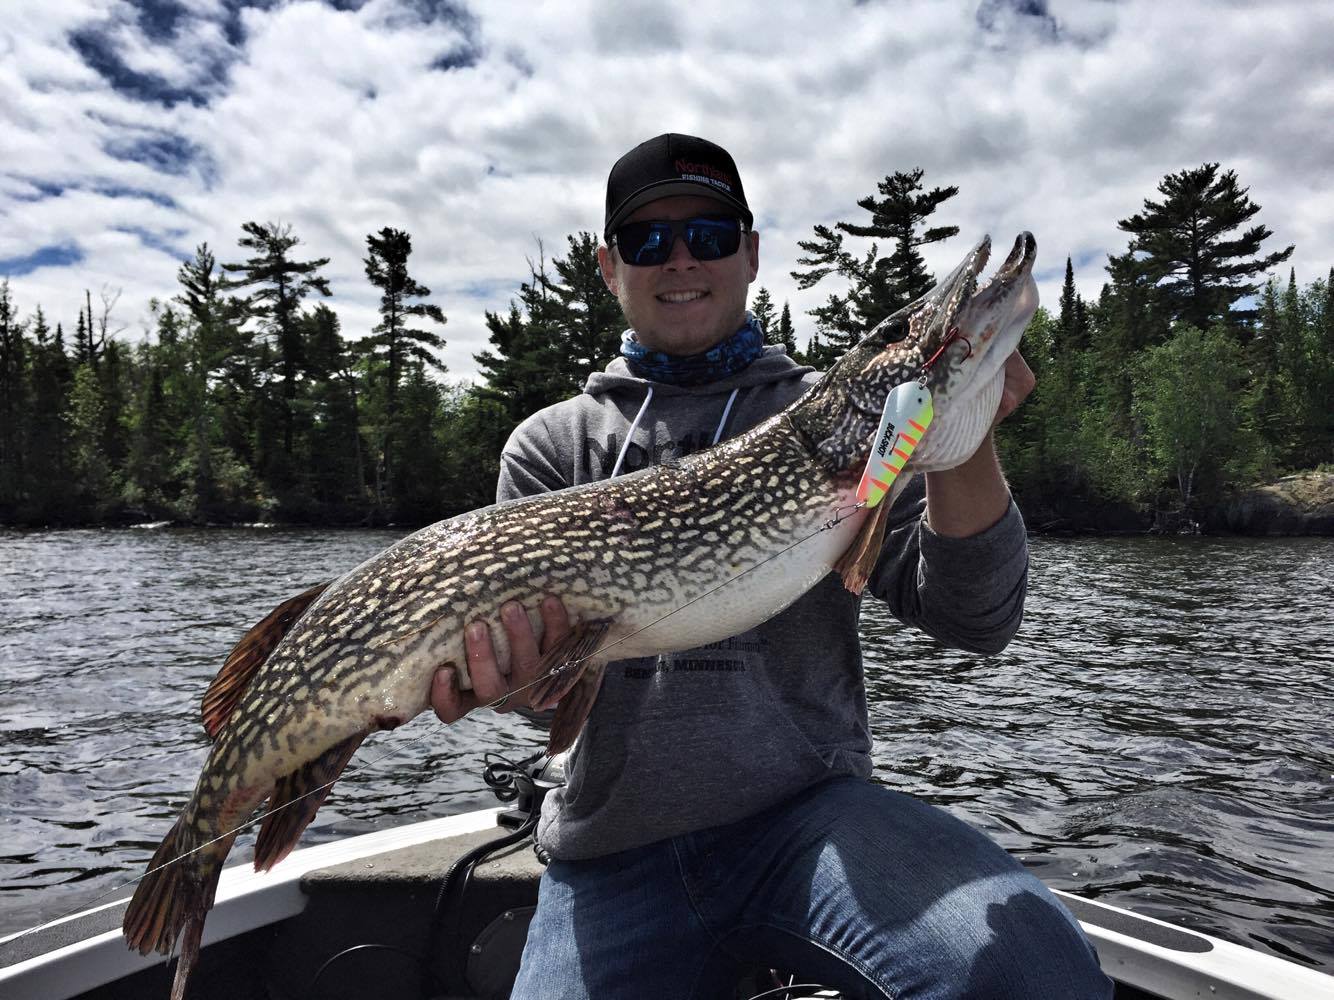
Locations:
(1199, 369)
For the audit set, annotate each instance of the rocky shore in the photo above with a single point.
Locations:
(1300, 504)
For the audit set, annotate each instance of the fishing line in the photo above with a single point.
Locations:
(840, 515)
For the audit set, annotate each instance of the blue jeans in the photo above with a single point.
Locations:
(847, 884)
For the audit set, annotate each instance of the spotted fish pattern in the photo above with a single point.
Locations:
(672, 557)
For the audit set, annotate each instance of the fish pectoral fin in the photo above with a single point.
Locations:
(573, 709)
(563, 664)
(858, 561)
(297, 797)
(247, 656)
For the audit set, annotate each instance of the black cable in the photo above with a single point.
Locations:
(508, 781)
(315, 981)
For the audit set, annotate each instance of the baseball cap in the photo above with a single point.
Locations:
(673, 164)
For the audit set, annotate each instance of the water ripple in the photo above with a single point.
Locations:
(1157, 735)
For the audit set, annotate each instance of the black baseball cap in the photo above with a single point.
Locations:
(673, 164)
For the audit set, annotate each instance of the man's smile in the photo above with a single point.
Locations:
(682, 296)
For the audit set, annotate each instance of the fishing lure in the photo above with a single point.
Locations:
(908, 413)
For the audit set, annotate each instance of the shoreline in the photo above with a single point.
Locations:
(1293, 506)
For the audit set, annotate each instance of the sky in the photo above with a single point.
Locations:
(130, 133)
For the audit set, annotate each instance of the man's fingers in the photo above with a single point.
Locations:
(449, 702)
(491, 683)
(488, 683)
(1019, 382)
(523, 644)
(555, 621)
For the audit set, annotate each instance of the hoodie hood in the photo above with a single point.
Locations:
(773, 365)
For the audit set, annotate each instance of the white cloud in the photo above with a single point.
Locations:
(336, 122)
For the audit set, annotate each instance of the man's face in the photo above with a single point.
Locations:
(683, 306)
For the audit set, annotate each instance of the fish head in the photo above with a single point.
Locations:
(955, 340)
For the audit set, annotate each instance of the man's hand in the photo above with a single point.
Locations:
(1019, 382)
(971, 497)
(489, 681)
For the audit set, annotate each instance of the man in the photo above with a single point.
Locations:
(717, 811)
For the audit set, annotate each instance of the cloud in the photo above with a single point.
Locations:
(135, 131)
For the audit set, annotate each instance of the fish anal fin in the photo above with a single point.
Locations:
(564, 663)
(573, 709)
(248, 655)
(297, 797)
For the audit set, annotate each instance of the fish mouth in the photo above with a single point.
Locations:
(969, 306)
(984, 326)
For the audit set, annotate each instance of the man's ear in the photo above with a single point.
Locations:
(608, 269)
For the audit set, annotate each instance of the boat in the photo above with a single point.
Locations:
(440, 908)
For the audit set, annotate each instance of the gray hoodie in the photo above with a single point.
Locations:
(711, 735)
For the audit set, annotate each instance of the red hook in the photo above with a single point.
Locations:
(954, 335)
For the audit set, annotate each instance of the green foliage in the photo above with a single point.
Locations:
(1187, 393)
(762, 308)
(13, 400)
(562, 328)
(586, 318)
(247, 403)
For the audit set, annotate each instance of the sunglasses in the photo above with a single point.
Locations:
(647, 244)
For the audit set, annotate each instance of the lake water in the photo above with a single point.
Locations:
(1159, 734)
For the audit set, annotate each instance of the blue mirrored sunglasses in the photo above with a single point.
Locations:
(647, 244)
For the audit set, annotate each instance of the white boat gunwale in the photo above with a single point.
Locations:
(1151, 955)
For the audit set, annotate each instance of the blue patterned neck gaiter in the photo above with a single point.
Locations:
(720, 361)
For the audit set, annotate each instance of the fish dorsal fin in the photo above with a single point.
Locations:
(246, 657)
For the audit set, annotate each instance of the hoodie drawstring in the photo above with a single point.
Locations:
(634, 425)
(631, 433)
(717, 435)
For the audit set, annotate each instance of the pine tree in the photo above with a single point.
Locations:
(13, 402)
(421, 482)
(762, 308)
(1200, 268)
(586, 315)
(785, 335)
(394, 343)
(1073, 322)
(879, 285)
(82, 342)
(48, 488)
(525, 370)
(280, 284)
(215, 338)
(336, 454)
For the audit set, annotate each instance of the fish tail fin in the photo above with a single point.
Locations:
(573, 710)
(190, 939)
(175, 895)
(296, 799)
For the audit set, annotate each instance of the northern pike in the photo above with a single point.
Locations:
(752, 523)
